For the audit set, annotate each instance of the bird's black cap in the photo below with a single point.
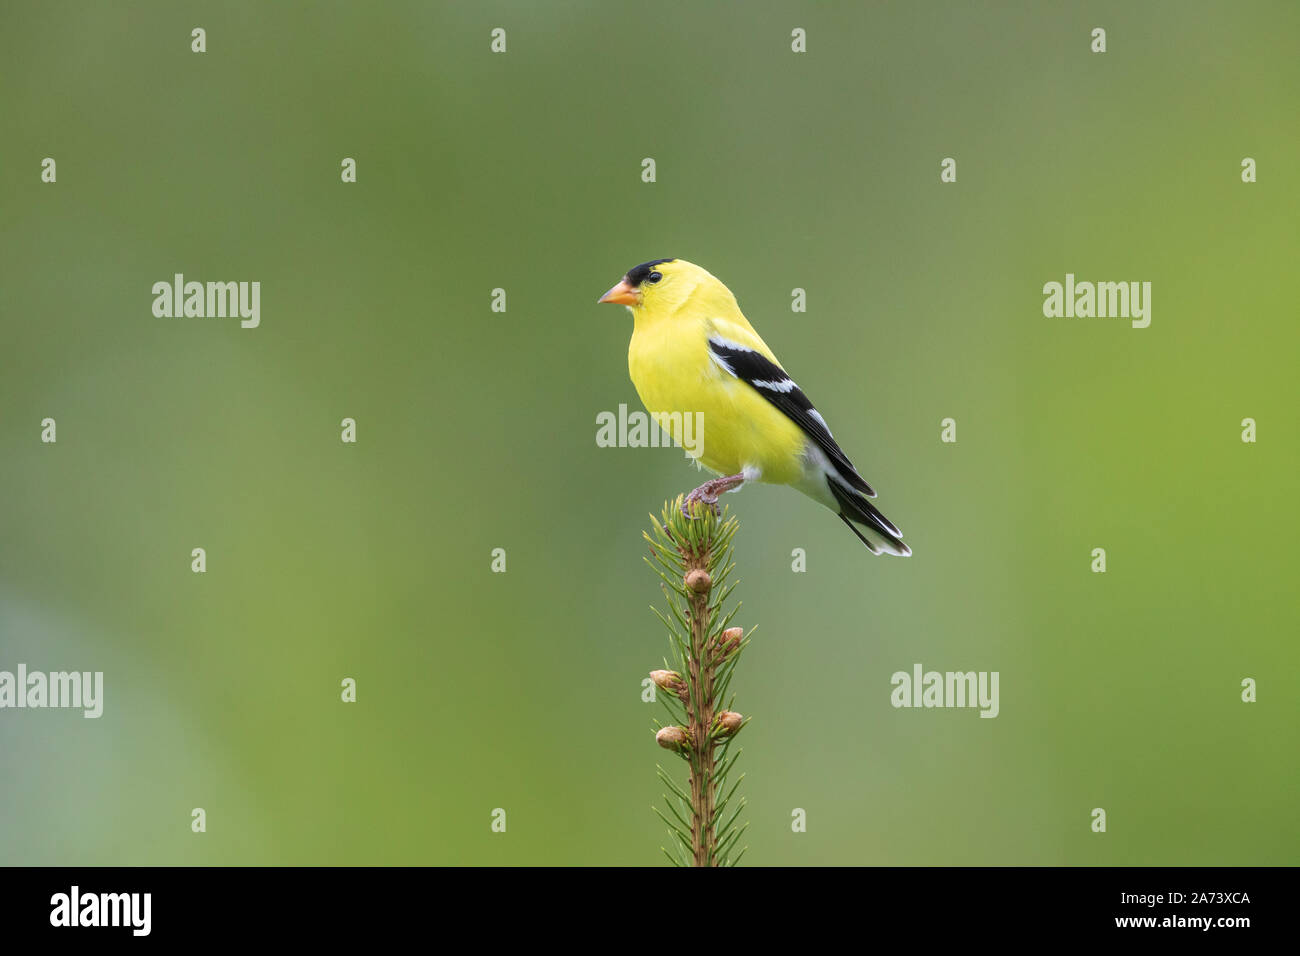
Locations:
(638, 274)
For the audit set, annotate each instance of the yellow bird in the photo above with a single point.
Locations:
(693, 351)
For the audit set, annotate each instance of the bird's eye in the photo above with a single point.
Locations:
(654, 277)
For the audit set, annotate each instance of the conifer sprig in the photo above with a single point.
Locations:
(693, 558)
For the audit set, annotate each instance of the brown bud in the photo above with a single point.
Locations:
(670, 681)
(674, 738)
(729, 640)
(698, 580)
(727, 722)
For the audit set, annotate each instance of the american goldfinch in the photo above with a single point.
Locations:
(693, 351)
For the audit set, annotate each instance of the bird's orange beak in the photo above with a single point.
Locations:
(622, 294)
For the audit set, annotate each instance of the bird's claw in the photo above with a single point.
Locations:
(702, 496)
(708, 493)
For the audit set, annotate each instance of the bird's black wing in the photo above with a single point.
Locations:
(769, 380)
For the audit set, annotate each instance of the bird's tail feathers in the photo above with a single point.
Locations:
(881, 535)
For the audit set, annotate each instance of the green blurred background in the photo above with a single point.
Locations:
(477, 429)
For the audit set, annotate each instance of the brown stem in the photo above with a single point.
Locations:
(700, 710)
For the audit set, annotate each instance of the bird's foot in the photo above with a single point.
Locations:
(709, 501)
(708, 493)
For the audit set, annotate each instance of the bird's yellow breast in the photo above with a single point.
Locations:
(670, 366)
